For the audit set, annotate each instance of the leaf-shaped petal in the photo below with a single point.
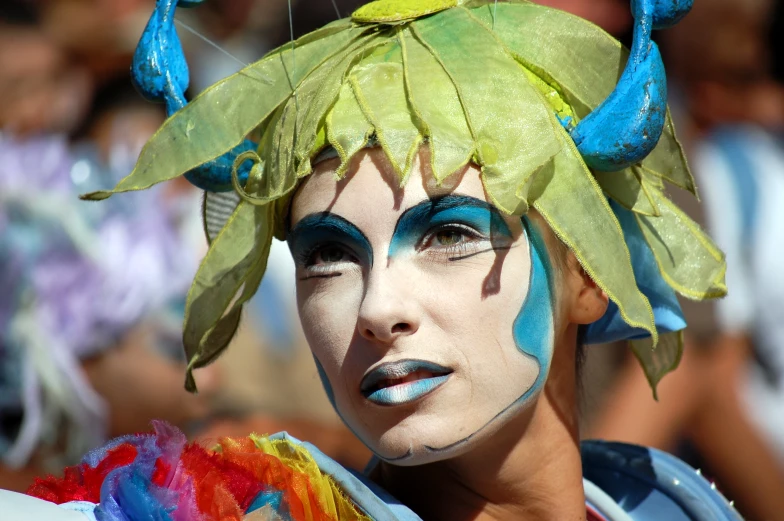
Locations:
(317, 94)
(659, 360)
(630, 188)
(688, 259)
(236, 260)
(592, 233)
(434, 100)
(296, 128)
(668, 161)
(379, 86)
(348, 129)
(510, 150)
(221, 116)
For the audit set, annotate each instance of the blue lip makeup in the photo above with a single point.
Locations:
(451, 209)
(397, 383)
(318, 229)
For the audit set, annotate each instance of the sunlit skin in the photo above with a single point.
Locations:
(409, 304)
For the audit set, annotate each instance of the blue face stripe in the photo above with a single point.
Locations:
(415, 222)
(324, 228)
(331, 397)
(533, 328)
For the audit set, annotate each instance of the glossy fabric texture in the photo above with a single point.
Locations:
(474, 83)
(644, 484)
(666, 310)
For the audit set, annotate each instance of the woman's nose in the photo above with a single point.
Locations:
(386, 313)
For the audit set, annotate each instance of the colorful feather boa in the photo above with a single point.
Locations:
(159, 476)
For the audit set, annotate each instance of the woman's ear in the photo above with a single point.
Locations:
(589, 302)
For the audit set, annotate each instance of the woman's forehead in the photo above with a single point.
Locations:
(371, 189)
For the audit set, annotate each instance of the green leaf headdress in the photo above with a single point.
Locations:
(556, 114)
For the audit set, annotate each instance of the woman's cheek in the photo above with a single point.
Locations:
(329, 317)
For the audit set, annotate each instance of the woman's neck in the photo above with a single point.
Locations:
(530, 470)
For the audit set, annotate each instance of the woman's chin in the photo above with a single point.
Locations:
(407, 446)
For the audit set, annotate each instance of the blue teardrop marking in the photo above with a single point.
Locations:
(533, 328)
(160, 73)
(627, 125)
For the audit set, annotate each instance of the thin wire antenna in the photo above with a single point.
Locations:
(337, 11)
(207, 40)
(196, 33)
(293, 68)
(495, 7)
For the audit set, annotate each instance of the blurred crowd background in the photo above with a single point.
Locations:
(92, 294)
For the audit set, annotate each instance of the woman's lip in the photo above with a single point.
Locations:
(406, 392)
(404, 376)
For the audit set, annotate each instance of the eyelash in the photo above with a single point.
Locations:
(470, 244)
(326, 268)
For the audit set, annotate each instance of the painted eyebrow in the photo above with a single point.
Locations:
(329, 224)
(430, 207)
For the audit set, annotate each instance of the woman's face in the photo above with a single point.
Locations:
(428, 311)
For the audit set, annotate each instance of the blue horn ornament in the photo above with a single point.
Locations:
(627, 125)
(160, 73)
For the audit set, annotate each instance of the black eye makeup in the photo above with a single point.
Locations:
(451, 228)
(324, 245)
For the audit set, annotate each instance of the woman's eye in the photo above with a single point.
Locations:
(449, 237)
(329, 254)
(332, 254)
(452, 238)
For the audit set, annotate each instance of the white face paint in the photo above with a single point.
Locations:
(425, 308)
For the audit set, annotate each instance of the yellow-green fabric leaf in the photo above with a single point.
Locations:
(236, 259)
(668, 161)
(510, 150)
(261, 188)
(221, 116)
(316, 95)
(434, 100)
(583, 62)
(630, 188)
(561, 48)
(348, 129)
(574, 206)
(295, 129)
(688, 259)
(394, 11)
(379, 86)
(657, 361)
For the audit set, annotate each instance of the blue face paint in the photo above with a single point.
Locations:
(327, 229)
(533, 328)
(327, 386)
(414, 224)
(331, 397)
(405, 392)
